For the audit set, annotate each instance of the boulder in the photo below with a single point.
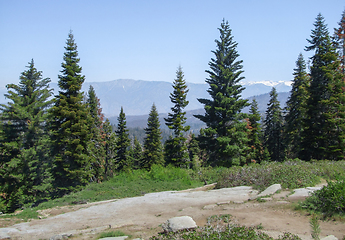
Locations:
(179, 223)
(270, 190)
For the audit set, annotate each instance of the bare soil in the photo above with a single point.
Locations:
(141, 217)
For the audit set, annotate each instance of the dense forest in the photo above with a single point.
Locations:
(53, 145)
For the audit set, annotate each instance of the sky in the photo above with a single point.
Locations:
(149, 39)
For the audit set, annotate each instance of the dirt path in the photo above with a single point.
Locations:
(141, 216)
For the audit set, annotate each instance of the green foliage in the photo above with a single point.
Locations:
(273, 137)
(290, 174)
(70, 128)
(330, 200)
(218, 227)
(296, 109)
(153, 153)
(323, 137)
(122, 159)
(109, 148)
(175, 147)
(96, 145)
(109, 234)
(256, 152)
(315, 226)
(225, 137)
(24, 143)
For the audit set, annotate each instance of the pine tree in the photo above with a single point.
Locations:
(323, 135)
(273, 138)
(175, 147)
(122, 159)
(109, 149)
(96, 144)
(70, 127)
(24, 162)
(137, 153)
(255, 134)
(225, 137)
(296, 108)
(339, 41)
(153, 153)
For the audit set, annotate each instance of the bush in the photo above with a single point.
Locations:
(330, 200)
(290, 174)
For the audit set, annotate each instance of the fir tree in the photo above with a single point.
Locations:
(137, 153)
(339, 41)
(96, 144)
(109, 149)
(175, 147)
(273, 138)
(122, 159)
(324, 124)
(296, 109)
(225, 137)
(255, 134)
(70, 127)
(24, 161)
(153, 153)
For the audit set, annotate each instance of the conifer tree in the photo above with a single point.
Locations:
(255, 134)
(273, 138)
(109, 149)
(96, 144)
(153, 153)
(324, 134)
(69, 124)
(122, 159)
(137, 153)
(296, 108)
(24, 160)
(225, 137)
(339, 41)
(175, 147)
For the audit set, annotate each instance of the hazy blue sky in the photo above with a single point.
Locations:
(149, 39)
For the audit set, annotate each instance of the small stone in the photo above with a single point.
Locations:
(267, 199)
(329, 237)
(222, 203)
(238, 202)
(209, 207)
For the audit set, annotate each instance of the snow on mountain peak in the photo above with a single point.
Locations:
(267, 83)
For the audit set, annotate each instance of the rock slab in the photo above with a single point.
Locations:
(179, 223)
(270, 190)
(329, 237)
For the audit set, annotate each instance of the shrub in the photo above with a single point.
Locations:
(330, 200)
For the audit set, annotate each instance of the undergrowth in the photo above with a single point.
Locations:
(328, 201)
(218, 227)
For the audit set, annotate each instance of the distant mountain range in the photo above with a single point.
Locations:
(137, 96)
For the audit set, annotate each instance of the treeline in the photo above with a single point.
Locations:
(52, 145)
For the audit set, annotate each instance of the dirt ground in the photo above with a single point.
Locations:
(141, 217)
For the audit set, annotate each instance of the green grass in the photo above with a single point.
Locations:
(291, 174)
(111, 234)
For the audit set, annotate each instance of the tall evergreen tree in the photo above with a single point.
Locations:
(96, 144)
(109, 148)
(153, 153)
(296, 108)
(225, 137)
(255, 134)
(137, 153)
(323, 135)
(339, 41)
(122, 159)
(70, 127)
(24, 162)
(273, 138)
(176, 148)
